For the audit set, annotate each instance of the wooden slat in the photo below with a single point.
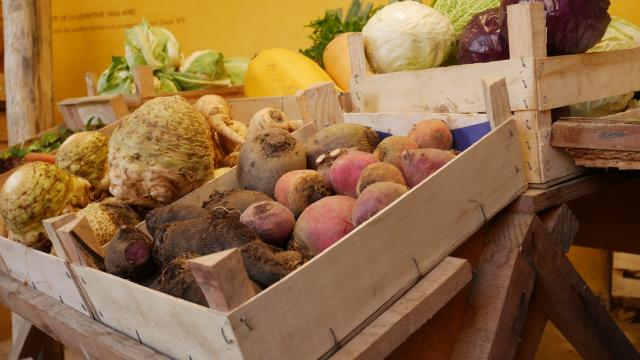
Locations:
(454, 89)
(562, 225)
(500, 293)
(43, 272)
(401, 123)
(242, 109)
(69, 326)
(606, 159)
(534, 200)
(319, 105)
(382, 270)
(600, 135)
(625, 261)
(410, 312)
(576, 311)
(496, 94)
(31, 342)
(28, 74)
(555, 164)
(571, 79)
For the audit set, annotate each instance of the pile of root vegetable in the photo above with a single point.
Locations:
(295, 198)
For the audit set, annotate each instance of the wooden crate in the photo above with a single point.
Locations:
(320, 306)
(537, 84)
(623, 282)
(608, 142)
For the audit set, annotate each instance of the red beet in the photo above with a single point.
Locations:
(434, 134)
(419, 164)
(346, 170)
(300, 188)
(270, 220)
(374, 199)
(322, 224)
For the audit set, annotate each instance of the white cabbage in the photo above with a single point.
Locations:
(407, 36)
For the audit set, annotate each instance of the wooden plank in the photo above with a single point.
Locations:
(527, 30)
(401, 123)
(382, 270)
(410, 312)
(605, 159)
(174, 327)
(562, 225)
(90, 83)
(28, 80)
(242, 109)
(51, 226)
(572, 79)
(624, 287)
(576, 311)
(143, 79)
(497, 98)
(555, 163)
(69, 326)
(500, 293)
(534, 200)
(601, 135)
(453, 89)
(319, 105)
(626, 261)
(43, 272)
(107, 108)
(358, 61)
(31, 342)
(223, 279)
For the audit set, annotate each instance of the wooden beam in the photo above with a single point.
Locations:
(572, 79)
(319, 105)
(500, 293)
(223, 279)
(562, 225)
(576, 311)
(594, 134)
(496, 97)
(409, 313)
(28, 67)
(535, 200)
(31, 342)
(69, 326)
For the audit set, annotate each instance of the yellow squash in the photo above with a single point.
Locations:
(280, 72)
(336, 60)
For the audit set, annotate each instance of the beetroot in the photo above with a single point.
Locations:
(270, 220)
(261, 263)
(419, 164)
(300, 188)
(434, 134)
(234, 199)
(340, 136)
(375, 198)
(266, 156)
(128, 254)
(177, 280)
(346, 170)
(390, 149)
(322, 224)
(324, 162)
(379, 172)
(171, 213)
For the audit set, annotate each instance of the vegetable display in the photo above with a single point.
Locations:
(573, 26)
(460, 12)
(17, 154)
(407, 36)
(151, 45)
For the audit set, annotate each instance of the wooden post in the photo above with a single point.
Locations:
(358, 67)
(28, 67)
(223, 279)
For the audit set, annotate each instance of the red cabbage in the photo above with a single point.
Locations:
(573, 26)
(483, 40)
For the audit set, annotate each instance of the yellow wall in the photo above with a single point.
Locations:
(88, 32)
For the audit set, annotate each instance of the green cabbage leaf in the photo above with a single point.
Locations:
(460, 12)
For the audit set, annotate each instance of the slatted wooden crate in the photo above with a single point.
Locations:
(625, 278)
(608, 142)
(328, 300)
(537, 84)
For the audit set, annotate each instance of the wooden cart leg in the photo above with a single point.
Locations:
(500, 293)
(31, 342)
(562, 225)
(571, 305)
